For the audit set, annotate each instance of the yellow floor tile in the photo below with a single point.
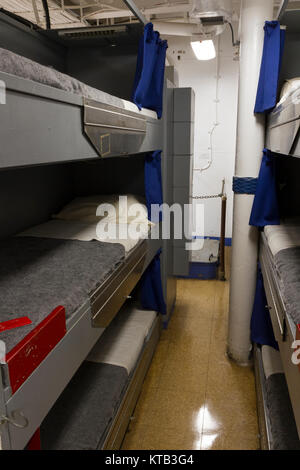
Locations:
(194, 397)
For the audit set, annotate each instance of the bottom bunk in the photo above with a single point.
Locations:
(276, 320)
(277, 425)
(95, 409)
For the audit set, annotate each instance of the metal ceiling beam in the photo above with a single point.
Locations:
(136, 11)
(180, 8)
(282, 9)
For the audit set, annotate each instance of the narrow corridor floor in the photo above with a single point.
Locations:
(194, 397)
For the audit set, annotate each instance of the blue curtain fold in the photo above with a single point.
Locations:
(150, 71)
(153, 184)
(261, 325)
(152, 297)
(270, 67)
(265, 210)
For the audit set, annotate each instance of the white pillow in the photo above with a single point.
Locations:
(86, 209)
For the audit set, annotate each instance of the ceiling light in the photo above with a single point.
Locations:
(204, 50)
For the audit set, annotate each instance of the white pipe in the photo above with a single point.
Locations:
(250, 144)
(176, 29)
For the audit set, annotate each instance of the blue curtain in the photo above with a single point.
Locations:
(265, 210)
(150, 71)
(152, 297)
(261, 325)
(270, 68)
(153, 184)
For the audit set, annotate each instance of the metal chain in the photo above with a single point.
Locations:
(217, 196)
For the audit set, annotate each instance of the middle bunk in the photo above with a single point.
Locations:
(50, 117)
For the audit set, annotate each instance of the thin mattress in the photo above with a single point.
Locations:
(81, 417)
(22, 67)
(86, 232)
(37, 275)
(284, 434)
(284, 244)
(284, 236)
(122, 343)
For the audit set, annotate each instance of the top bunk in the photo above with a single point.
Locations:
(49, 116)
(284, 121)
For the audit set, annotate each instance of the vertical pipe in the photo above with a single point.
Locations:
(250, 144)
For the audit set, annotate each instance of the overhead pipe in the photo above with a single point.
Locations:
(250, 144)
(136, 11)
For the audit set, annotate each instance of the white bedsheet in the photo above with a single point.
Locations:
(74, 230)
(122, 343)
(281, 237)
(271, 361)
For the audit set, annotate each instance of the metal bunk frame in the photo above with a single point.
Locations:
(34, 136)
(39, 120)
(285, 330)
(21, 413)
(283, 131)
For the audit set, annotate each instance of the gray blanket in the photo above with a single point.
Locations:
(80, 418)
(39, 274)
(283, 427)
(25, 68)
(287, 263)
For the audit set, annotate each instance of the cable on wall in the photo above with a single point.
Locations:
(217, 100)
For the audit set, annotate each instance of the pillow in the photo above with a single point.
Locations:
(85, 209)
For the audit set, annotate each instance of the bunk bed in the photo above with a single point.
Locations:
(279, 255)
(45, 109)
(71, 291)
(94, 410)
(69, 288)
(276, 318)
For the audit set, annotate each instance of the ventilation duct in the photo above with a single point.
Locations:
(90, 33)
(212, 14)
(212, 8)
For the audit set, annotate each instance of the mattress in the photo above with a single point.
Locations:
(22, 67)
(287, 263)
(290, 86)
(37, 275)
(122, 343)
(284, 236)
(81, 417)
(282, 422)
(271, 361)
(86, 232)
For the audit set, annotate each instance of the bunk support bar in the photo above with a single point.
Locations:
(135, 10)
(282, 8)
(24, 358)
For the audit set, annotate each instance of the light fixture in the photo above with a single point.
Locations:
(204, 50)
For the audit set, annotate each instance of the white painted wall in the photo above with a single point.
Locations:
(201, 76)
